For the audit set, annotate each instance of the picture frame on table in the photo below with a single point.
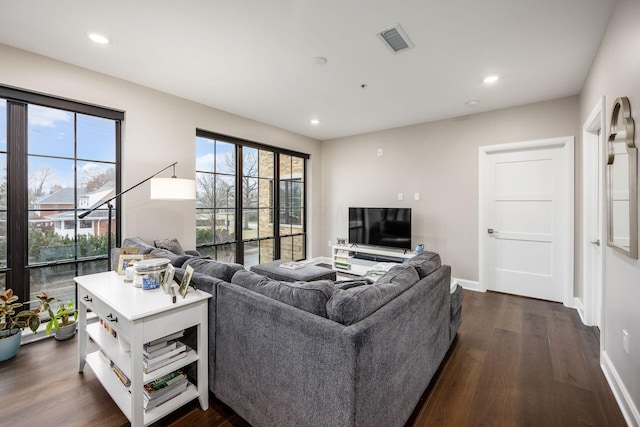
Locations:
(124, 260)
(167, 280)
(186, 279)
(341, 241)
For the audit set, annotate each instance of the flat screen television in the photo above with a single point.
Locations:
(387, 227)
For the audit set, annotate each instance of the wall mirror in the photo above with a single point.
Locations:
(622, 181)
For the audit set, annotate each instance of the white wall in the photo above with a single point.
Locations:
(616, 72)
(158, 130)
(439, 160)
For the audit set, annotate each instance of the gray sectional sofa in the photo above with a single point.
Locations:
(327, 353)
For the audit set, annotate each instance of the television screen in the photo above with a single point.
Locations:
(390, 227)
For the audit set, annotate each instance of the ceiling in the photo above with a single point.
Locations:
(254, 58)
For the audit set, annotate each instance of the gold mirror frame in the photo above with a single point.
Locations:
(621, 131)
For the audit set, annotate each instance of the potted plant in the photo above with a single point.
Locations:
(63, 321)
(12, 323)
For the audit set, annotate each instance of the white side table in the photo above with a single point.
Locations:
(139, 316)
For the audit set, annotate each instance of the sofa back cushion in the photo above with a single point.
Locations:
(176, 260)
(348, 306)
(211, 267)
(425, 263)
(136, 242)
(172, 245)
(402, 274)
(308, 296)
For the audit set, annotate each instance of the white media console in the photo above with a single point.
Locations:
(358, 259)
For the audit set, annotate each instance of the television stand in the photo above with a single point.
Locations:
(359, 260)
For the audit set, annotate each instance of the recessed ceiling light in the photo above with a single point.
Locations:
(491, 79)
(472, 103)
(98, 38)
(319, 60)
(314, 122)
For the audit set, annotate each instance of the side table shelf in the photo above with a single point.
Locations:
(123, 359)
(122, 396)
(138, 317)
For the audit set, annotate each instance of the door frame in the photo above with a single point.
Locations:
(593, 142)
(566, 143)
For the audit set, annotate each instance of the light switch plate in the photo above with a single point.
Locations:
(400, 196)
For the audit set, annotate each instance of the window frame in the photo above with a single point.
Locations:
(17, 272)
(239, 242)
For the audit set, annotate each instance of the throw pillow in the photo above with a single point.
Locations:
(211, 267)
(308, 296)
(352, 305)
(401, 273)
(137, 242)
(169, 244)
(425, 263)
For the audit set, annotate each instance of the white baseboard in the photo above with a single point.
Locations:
(577, 304)
(628, 408)
(471, 285)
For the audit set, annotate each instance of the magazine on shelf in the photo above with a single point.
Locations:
(154, 403)
(161, 342)
(171, 345)
(164, 385)
(179, 348)
(292, 265)
(150, 367)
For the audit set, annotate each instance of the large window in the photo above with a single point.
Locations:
(59, 159)
(250, 200)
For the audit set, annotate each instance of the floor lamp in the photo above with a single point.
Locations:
(161, 189)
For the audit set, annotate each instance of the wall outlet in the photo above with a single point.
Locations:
(380, 152)
(329, 243)
(625, 341)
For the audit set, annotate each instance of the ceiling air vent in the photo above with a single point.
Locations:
(395, 39)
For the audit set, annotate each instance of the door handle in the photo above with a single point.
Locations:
(492, 231)
(596, 242)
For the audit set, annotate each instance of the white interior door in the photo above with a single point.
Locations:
(592, 214)
(524, 198)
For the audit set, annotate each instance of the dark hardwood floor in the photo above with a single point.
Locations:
(515, 362)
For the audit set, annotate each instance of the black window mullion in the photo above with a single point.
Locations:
(239, 207)
(118, 189)
(17, 203)
(276, 206)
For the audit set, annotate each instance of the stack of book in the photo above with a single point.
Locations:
(341, 260)
(164, 389)
(163, 351)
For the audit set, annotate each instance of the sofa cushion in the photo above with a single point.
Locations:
(219, 269)
(176, 260)
(348, 284)
(402, 274)
(425, 263)
(198, 280)
(136, 242)
(308, 296)
(348, 306)
(172, 245)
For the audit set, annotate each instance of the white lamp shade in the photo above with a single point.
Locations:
(173, 189)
